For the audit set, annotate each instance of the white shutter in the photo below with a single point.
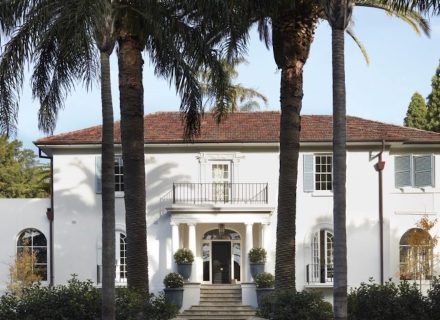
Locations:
(308, 180)
(98, 175)
(402, 171)
(423, 173)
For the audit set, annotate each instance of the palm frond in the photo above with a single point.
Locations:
(409, 15)
(358, 42)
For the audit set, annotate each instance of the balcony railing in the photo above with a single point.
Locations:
(319, 273)
(231, 193)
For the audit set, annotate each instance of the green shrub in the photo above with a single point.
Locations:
(387, 302)
(257, 255)
(184, 256)
(130, 304)
(80, 301)
(434, 298)
(264, 280)
(173, 280)
(290, 305)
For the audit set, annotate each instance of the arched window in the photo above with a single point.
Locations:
(321, 268)
(34, 242)
(416, 255)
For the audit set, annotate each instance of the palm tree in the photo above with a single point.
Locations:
(338, 14)
(100, 28)
(292, 24)
(243, 98)
(43, 30)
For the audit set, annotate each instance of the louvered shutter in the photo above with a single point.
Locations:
(423, 171)
(98, 174)
(402, 171)
(308, 173)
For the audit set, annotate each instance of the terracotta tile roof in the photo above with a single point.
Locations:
(252, 127)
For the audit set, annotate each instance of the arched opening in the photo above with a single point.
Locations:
(221, 254)
(416, 255)
(32, 241)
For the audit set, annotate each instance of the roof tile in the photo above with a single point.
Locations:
(250, 127)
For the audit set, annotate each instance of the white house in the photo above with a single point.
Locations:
(218, 197)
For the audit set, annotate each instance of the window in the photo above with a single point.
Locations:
(416, 255)
(318, 171)
(33, 241)
(414, 171)
(119, 174)
(221, 180)
(121, 258)
(321, 268)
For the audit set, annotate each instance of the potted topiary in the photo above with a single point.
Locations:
(264, 282)
(173, 288)
(184, 259)
(257, 259)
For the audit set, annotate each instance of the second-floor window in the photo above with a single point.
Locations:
(318, 172)
(414, 171)
(119, 174)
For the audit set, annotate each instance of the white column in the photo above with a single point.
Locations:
(263, 235)
(192, 247)
(174, 241)
(248, 245)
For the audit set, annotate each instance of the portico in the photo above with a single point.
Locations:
(220, 240)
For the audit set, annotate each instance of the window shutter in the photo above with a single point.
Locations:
(98, 174)
(402, 171)
(308, 173)
(423, 172)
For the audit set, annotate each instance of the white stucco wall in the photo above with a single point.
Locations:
(78, 209)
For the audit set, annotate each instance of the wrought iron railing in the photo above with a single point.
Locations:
(233, 193)
(319, 273)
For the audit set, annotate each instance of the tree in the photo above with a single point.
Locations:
(51, 76)
(21, 176)
(22, 272)
(338, 14)
(292, 24)
(42, 31)
(433, 104)
(416, 116)
(243, 98)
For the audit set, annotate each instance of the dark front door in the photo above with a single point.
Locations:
(221, 262)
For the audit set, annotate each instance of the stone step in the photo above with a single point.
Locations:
(219, 300)
(221, 294)
(221, 307)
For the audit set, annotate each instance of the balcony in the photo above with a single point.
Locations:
(219, 193)
(319, 274)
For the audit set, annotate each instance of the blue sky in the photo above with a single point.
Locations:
(401, 62)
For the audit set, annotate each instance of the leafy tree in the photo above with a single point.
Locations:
(417, 113)
(22, 272)
(21, 176)
(433, 104)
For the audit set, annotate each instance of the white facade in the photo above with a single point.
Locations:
(192, 168)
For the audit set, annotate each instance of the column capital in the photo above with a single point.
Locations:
(174, 223)
(249, 224)
(191, 224)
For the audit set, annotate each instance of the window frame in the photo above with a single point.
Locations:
(423, 266)
(322, 271)
(310, 173)
(412, 171)
(33, 247)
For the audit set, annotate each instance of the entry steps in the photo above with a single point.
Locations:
(219, 302)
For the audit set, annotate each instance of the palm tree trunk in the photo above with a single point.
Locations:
(339, 174)
(292, 36)
(290, 123)
(108, 193)
(132, 136)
